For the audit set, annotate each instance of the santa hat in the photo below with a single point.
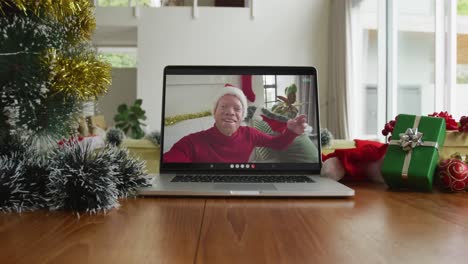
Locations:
(232, 90)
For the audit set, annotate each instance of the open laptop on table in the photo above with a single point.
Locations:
(225, 133)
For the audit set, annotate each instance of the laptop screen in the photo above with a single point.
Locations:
(234, 118)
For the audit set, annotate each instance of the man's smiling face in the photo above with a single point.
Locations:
(228, 114)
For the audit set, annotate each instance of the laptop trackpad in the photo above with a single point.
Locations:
(245, 187)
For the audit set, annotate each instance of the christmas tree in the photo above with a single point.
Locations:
(48, 69)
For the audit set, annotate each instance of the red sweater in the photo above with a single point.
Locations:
(212, 146)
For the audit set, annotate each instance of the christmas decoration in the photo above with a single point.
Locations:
(47, 68)
(463, 124)
(229, 89)
(129, 172)
(453, 175)
(81, 179)
(114, 136)
(77, 14)
(77, 73)
(154, 137)
(275, 116)
(450, 123)
(246, 84)
(360, 163)
(326, 137)
(388, 128)
(169, 121)
(22, 181)
(412, 155)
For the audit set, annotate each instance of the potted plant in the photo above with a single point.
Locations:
(129, 119)
(287, 106)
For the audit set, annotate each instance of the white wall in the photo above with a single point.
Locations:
(282, 33)
(189, 94)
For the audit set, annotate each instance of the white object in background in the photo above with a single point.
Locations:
(195, 9)
(252, 9)
(333, 169)
(136, 9)
(88, 108)
(95, 142)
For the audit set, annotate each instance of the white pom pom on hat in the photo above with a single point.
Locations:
(232, 90)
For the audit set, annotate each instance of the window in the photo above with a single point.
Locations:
(461, 89)
(119, 57)
(270, 90)
(408, 57)
(367, 92)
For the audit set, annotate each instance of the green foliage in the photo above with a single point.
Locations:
(462, 79)
(462, 73)
(462, 7)
(128, 119)
(122, 60)
(287, 106)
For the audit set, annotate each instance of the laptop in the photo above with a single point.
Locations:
(225, 132)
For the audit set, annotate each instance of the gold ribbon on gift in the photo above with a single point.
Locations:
(410, 140)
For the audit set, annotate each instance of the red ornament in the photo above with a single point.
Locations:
(450, 123)
(463, 124)
(453, 175)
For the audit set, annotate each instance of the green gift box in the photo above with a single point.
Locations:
(412, 154)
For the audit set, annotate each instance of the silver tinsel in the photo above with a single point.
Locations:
(22, 181)
(82, 179)
(129, 171)
(114, 136)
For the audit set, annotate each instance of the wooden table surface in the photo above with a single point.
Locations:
(376, 226)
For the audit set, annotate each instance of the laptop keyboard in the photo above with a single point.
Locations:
(242, 178)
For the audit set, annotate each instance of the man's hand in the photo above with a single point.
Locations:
(297, 124)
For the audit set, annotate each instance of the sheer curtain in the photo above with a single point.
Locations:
(340, 70)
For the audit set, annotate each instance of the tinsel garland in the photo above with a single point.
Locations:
(80, 73)
(12, 144)
(169, 121)
(115, 136)
(129, 172)
(12, 183)
(81, 179)
(154, 137)
(22, 182)
(76, 14)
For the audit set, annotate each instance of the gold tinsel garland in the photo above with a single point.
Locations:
(83, 75)
(77, 14)
(169, 121)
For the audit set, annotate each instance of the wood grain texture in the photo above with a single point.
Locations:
(143, 230)
(377, 226)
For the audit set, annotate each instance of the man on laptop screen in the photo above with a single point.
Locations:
(227, 140)
(241, 130)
